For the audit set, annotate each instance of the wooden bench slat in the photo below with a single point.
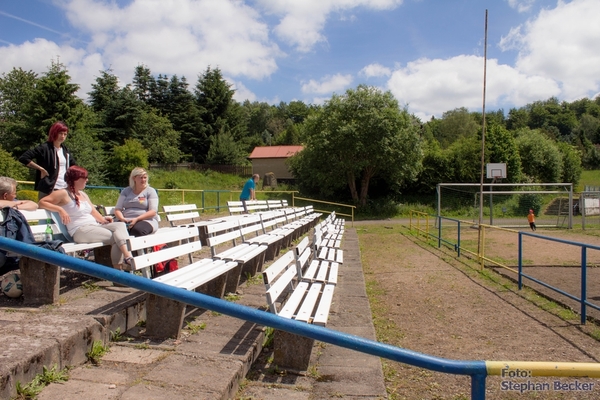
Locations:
(197, 274)
(322, 314)
(305, 313)
(276, 267)
(294, 301)
(279, 287)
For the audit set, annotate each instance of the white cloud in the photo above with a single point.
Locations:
(375, 70)
(561, 44)
(521, 5)
(180, 37)
(328, 84)
(242, 93)
(431, 87)
(302, 21)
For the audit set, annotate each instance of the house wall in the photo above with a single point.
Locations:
(261, 166)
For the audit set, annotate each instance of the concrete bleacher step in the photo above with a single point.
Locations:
(208, 364)
(211, 360)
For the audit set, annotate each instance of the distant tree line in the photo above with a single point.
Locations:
(361, 145)
(150, 120)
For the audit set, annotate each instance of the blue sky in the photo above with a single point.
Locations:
(428, 53)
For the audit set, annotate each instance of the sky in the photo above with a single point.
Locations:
(430, 54)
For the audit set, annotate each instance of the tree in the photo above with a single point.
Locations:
(456, 124)
(540, 158)
(571, 163)
(142, 83)
(355, 137)
(213, 98)
(119, 110)
(158, 137)
(502, 148)
(225, 151)
(53, 100)
(465, 157)
(86, 147)
(125, 158)
(16, 91)
(184, 115)
(11, 167)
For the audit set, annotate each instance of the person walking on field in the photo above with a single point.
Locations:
(50, 161)
(531, 219)
(249, 191)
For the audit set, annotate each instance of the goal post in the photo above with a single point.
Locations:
(507, 204)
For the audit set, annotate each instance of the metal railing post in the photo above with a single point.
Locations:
(583, 284)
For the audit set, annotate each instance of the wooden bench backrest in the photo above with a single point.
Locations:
(279, 277)
(251, 205)
(177, 213)
(108, 210)
(144, 243)
(223, 232)
(272, 219)
(303, 253)
(37, 220)
(274, 204)
(251, 225)
(284, 272)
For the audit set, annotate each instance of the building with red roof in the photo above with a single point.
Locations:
(273, 159)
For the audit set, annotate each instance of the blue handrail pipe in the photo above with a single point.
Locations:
(475, 369)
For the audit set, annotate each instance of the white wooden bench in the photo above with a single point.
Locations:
(323, 252)
(41, 281)
(290, 296)
(270, 233)
(164, 317)
(318, 270)
(249, 256)
(275, 204)
(237, 207)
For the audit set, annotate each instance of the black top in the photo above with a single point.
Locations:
(45, 156)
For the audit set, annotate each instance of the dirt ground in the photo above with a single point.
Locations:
(425, 300)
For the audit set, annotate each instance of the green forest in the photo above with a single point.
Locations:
(360, 146)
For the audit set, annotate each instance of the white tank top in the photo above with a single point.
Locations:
(80, 216)
(62, 169)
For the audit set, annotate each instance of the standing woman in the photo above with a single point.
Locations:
(84, 223)
(138, 205)
(50, 160)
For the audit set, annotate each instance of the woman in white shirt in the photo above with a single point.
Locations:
(84, 223)
(137, 205)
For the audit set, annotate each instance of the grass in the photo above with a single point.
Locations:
(589, 178)
(195, 328)
(97, 351)
(48, 376)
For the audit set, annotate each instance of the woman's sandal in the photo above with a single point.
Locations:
(128, 261)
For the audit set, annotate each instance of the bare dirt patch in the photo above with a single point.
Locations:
(425, 300)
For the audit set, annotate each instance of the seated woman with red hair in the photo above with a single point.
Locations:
(84, 223)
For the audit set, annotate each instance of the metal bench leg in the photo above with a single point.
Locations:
(164, 317)
(41, 281)
(292, 351)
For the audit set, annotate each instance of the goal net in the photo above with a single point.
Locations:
(507, 204)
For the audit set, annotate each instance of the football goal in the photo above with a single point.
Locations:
(507, 204)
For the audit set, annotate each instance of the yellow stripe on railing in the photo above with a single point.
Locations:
(526, 369)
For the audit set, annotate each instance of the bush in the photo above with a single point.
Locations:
(125, 158)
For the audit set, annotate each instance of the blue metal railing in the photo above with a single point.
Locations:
(475, 369)
(583, 264)
(520, 274)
